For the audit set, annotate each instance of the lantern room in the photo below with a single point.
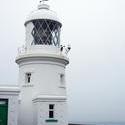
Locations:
(43, 27)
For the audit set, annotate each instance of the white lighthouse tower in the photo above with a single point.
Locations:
(42, 71)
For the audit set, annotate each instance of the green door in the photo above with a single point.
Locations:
(3, 111)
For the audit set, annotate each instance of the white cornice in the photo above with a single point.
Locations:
(7, 89)
(42, 57)
(47, 98)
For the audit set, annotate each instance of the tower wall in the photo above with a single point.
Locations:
(46, 87)
(45, 77)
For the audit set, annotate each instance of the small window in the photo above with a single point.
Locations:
(62, 79)
(28, 77)
(51, 106)
(51, 111)
(51, 114)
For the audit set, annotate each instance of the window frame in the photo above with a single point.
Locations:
(28, 77)
(46, 32)
(51, 110)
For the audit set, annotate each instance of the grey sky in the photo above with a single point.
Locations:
(96, 73)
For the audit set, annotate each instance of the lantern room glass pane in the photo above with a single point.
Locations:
(46, 32)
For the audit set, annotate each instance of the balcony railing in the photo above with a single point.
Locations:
(42, 49)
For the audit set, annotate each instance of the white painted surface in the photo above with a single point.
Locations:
(12, 94)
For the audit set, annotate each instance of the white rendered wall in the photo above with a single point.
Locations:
(45, 80)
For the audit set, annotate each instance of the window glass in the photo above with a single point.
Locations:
(51, 106)
(2, 102)
(28, 77)
(46, 32)
(62, 78)
(51, 111)
(51, 114)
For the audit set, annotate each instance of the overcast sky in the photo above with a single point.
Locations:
(96, 73)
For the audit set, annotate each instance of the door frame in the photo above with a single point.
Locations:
(7, 102)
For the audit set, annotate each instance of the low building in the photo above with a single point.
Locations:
(9, 96)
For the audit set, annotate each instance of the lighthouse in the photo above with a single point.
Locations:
(42, 62)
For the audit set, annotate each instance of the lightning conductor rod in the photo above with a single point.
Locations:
(42, 1)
